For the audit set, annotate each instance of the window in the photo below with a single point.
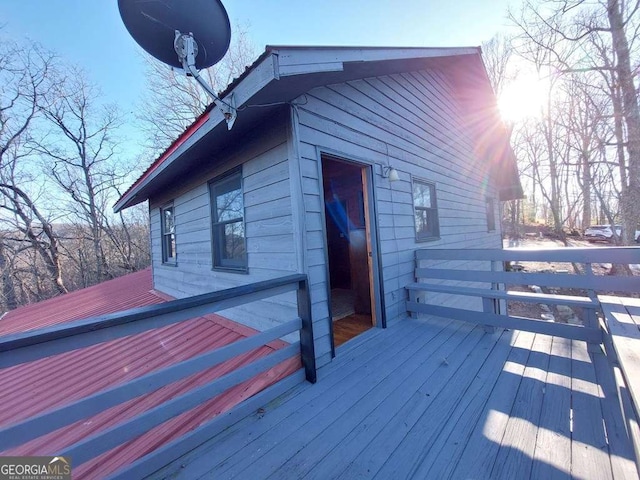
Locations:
(168, 227)
(491, 214)
(227, 216)
(426, 211)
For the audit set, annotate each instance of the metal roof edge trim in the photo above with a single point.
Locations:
(125, 200)
(464, 50)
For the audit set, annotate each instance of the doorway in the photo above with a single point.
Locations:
(349, 248)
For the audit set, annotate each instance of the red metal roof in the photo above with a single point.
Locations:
(129, 291)
(32, 388)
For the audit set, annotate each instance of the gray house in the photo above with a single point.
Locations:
(341, 163)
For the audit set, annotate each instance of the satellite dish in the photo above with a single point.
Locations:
(185, 34)
(153, 23)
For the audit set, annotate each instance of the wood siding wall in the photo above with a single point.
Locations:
(268, 228)
(413, 123)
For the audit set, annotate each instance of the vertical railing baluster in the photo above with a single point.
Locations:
(307, 347)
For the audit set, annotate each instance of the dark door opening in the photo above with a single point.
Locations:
(349, 248)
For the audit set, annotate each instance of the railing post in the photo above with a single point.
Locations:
(590, 317)
(413, 297)
(307, 348)
(488, 306)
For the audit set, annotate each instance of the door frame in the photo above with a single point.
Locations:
(371, 216)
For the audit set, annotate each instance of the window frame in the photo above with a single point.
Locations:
(434, 235)
(166, 236)
(490, 206)
(217, 260)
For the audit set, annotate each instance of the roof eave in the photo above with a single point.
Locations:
(274, 63)
(181, 144)
(255, 80)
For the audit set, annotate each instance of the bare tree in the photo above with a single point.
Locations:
(25, 87)
(79, 152)
(173, 101)
(36, 229)
(498, 55)
(129, 237)
(619, 19)
(544, 136)
(583, 37)
(9, 296)
(588, 129)
(59, 175)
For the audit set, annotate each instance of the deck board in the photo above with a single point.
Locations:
(370, 427)
(376, 378)
(515, 457)
(620, 450)
(451, 439)
(278, 424)
(431, 398)
(233, 439)
(589, 451)
(352, 432)
(408, 456)
(553, 443)
(229, 442)
(481, 449)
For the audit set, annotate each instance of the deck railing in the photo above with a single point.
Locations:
(611, 319)
(30, 346)
(488, 269)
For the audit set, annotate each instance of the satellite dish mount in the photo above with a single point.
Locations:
(187, 49)
(158, 26)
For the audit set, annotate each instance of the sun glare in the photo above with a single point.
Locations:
(524, 98)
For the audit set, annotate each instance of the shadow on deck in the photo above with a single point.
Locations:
(433, 398)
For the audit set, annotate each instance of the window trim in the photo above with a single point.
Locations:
(217, 263)
(166, 259)
(432, 186)
(490, 207)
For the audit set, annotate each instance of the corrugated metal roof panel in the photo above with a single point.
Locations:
(129, 291)
(39, 386)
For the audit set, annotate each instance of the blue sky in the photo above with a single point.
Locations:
(89, 33)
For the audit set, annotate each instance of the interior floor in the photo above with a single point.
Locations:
(347, 324)
(342, 303)
(349, 327)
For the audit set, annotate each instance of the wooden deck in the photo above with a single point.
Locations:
(430, 398)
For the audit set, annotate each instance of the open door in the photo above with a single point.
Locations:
(349, 248)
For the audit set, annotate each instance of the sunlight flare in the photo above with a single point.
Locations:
(526, 97)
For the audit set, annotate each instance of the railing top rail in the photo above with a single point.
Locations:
(621, 255)
(181, 309)
(600, 283)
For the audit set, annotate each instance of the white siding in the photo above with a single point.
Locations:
(413, 123)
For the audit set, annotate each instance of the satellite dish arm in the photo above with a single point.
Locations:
(187, 49)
